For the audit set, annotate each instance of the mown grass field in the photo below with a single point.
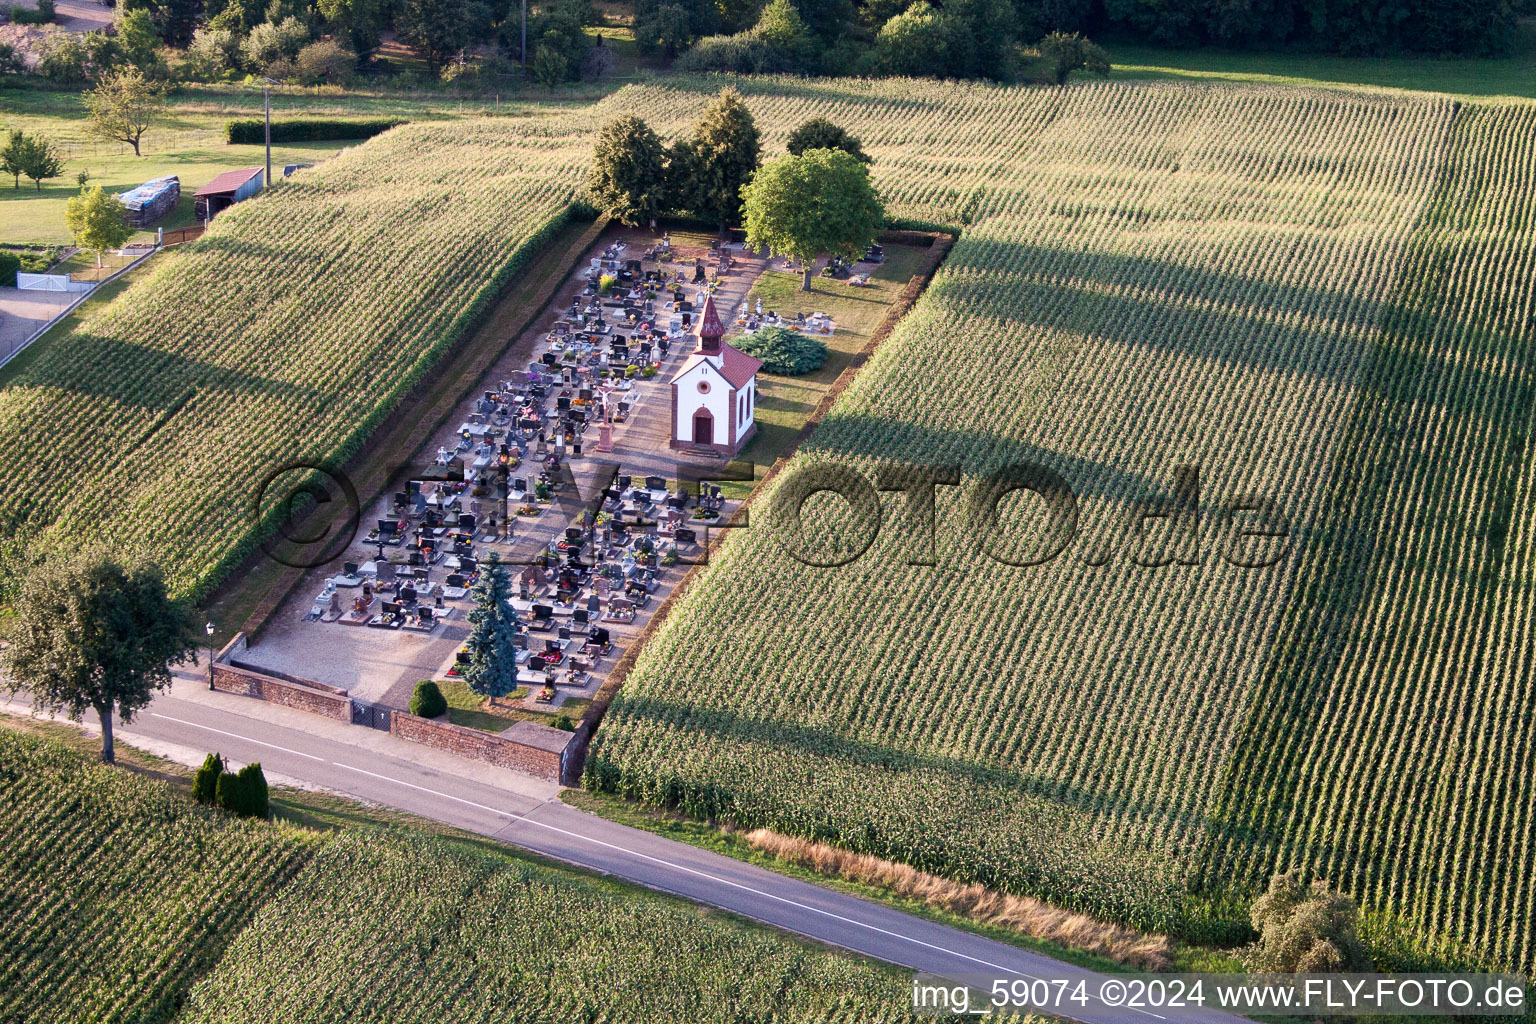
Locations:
(123, 901)
(189, 143)
(1320, 296)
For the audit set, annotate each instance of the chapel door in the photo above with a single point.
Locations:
(703, 427)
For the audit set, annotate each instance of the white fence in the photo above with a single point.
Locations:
(52, 283)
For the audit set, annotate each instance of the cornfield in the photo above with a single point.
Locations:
(116, 894)
(1324, 298)
(408, 929)
(1321, 297)
(122, 901)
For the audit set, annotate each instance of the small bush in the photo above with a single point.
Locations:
(784, 352)
(428, 701)
(1306, 929)
(253, 785)
(251, 131)
(605, 284)
(9, 264)
(243, 792)
(563, 722)
(26, 16)
(205, 784)
(229, 792)
(741, 54)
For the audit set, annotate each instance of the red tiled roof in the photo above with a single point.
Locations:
(228, 181)
(738, 367)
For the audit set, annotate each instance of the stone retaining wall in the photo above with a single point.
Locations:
(229, 679)
(501, 751)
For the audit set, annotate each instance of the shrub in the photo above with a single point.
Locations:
(1306, 929)
(253, 786)
(427, 701)
(251, 131)
(326, 62)
(742, 54)
(229, 792)
(563, 722)
(9, 264)
(26, 16)
(784, 352)
(605, 284)
(205, 784)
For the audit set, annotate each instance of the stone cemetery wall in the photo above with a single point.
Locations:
(480, 746)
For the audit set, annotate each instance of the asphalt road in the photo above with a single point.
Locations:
(556, 830)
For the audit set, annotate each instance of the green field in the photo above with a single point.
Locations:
(1323, 297)
(123, 901)
(189, 143)
(1320, 296)
(1510, 74)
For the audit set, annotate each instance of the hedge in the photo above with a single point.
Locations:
(9, 264)
(252, 131)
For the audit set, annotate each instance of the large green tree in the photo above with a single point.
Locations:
(629, 174)
(124, 106)
(711, 167)
(97, 220)
(819, 202)
(492, 668)
(438, 29)
(819, 133)
(90, 634)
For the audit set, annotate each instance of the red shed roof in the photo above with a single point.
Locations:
(229, 181)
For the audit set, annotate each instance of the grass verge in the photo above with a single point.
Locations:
(733, 844)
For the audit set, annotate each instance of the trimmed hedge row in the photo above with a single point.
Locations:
(252, 131)
(9, 264)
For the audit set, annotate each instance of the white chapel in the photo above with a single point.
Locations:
(714, 392)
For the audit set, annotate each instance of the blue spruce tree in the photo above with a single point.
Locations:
(492, 668)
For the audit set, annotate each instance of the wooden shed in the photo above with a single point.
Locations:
(226, 190)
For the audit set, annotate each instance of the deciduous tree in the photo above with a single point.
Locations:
(11, 156)
(718, 160)
(40, 160)
(803, 206)
(90, 634)
(819, 133)
(97, 220)
(1307, 929)
(629, 175)
(1066, 52)
(124, 106)
(437, 29)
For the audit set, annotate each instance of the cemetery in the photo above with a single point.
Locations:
(587, 466)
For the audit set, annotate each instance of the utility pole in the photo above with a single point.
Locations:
(266, 100)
